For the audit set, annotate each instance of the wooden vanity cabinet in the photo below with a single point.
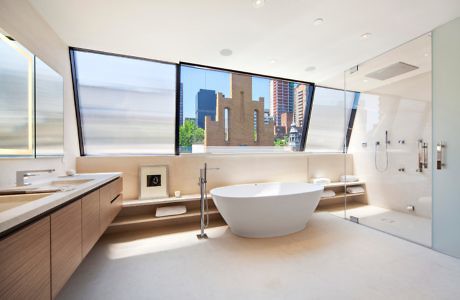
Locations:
(25, 263)
(37, 260)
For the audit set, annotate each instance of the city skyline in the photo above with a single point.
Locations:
(194, 79)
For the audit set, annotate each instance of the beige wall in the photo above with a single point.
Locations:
(20, 20)
(234, 169)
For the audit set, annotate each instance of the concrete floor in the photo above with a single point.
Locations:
(332, 258)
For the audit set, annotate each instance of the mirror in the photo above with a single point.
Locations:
(49, 116)
(31, 103)
(16, 98)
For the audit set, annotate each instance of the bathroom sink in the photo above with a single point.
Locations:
(49, 187)
(71, 182)
(11, 201)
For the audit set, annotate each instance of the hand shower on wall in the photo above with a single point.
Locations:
(377, 145)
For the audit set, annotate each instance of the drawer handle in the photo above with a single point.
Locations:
(113, 200)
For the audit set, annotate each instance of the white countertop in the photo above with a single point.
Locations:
(22, 213)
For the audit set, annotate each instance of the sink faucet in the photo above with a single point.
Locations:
(204, 210)
(22, 175)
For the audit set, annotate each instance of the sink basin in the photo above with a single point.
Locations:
(49, 187)
(69, 182)
(10, 201)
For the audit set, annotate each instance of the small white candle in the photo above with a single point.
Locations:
(177, 194)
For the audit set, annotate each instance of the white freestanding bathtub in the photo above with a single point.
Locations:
(267, 209)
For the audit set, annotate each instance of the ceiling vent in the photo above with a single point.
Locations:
(392, 71)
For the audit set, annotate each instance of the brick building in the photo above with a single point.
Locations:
(239, 121)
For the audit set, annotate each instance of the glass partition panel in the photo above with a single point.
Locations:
(49, 116)
(16, 98)
(391, 141)
(127, 105)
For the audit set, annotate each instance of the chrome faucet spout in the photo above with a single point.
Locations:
(24, 174)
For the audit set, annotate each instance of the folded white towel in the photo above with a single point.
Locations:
(321, 181)
(355, 189)
(349, 178)
(170, 211)
(328, 194)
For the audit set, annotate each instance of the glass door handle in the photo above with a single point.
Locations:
(440, 155)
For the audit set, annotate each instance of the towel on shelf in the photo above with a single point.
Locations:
(170, 211)
(321, 181)
(349, 178)
(328, 194)
(355, 190)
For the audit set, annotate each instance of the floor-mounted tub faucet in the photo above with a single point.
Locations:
(204, 209)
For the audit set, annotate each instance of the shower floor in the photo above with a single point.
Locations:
(410, 227)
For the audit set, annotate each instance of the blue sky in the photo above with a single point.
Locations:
(194, 79)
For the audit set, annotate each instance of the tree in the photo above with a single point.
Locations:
(190, 133)
(282, 142)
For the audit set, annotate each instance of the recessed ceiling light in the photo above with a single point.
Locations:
(426, 54)
(310, 69)
(272, 61)
(365, 80)
(258, 3)
(226, 52)
(318, 21)
(366, 35)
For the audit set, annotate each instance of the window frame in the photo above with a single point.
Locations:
(74, 73)
(307, 111)
(308, 106)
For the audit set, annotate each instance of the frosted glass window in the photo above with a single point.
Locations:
(127, 105)
(49, 103)
(329, 120)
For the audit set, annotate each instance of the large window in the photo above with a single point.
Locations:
(129, 105)
(331, 120)
(126, 105)
(228, 112)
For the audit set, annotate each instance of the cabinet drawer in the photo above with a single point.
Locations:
(116, 207)
(65, 244)
(25, 263)
(111, 190)
(90, 219)
(111, 199)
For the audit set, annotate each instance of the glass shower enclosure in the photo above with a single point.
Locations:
(390, 142)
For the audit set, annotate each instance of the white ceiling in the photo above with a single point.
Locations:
(282, 30)
(416, 52)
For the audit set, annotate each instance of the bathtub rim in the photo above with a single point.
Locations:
(319, 188)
